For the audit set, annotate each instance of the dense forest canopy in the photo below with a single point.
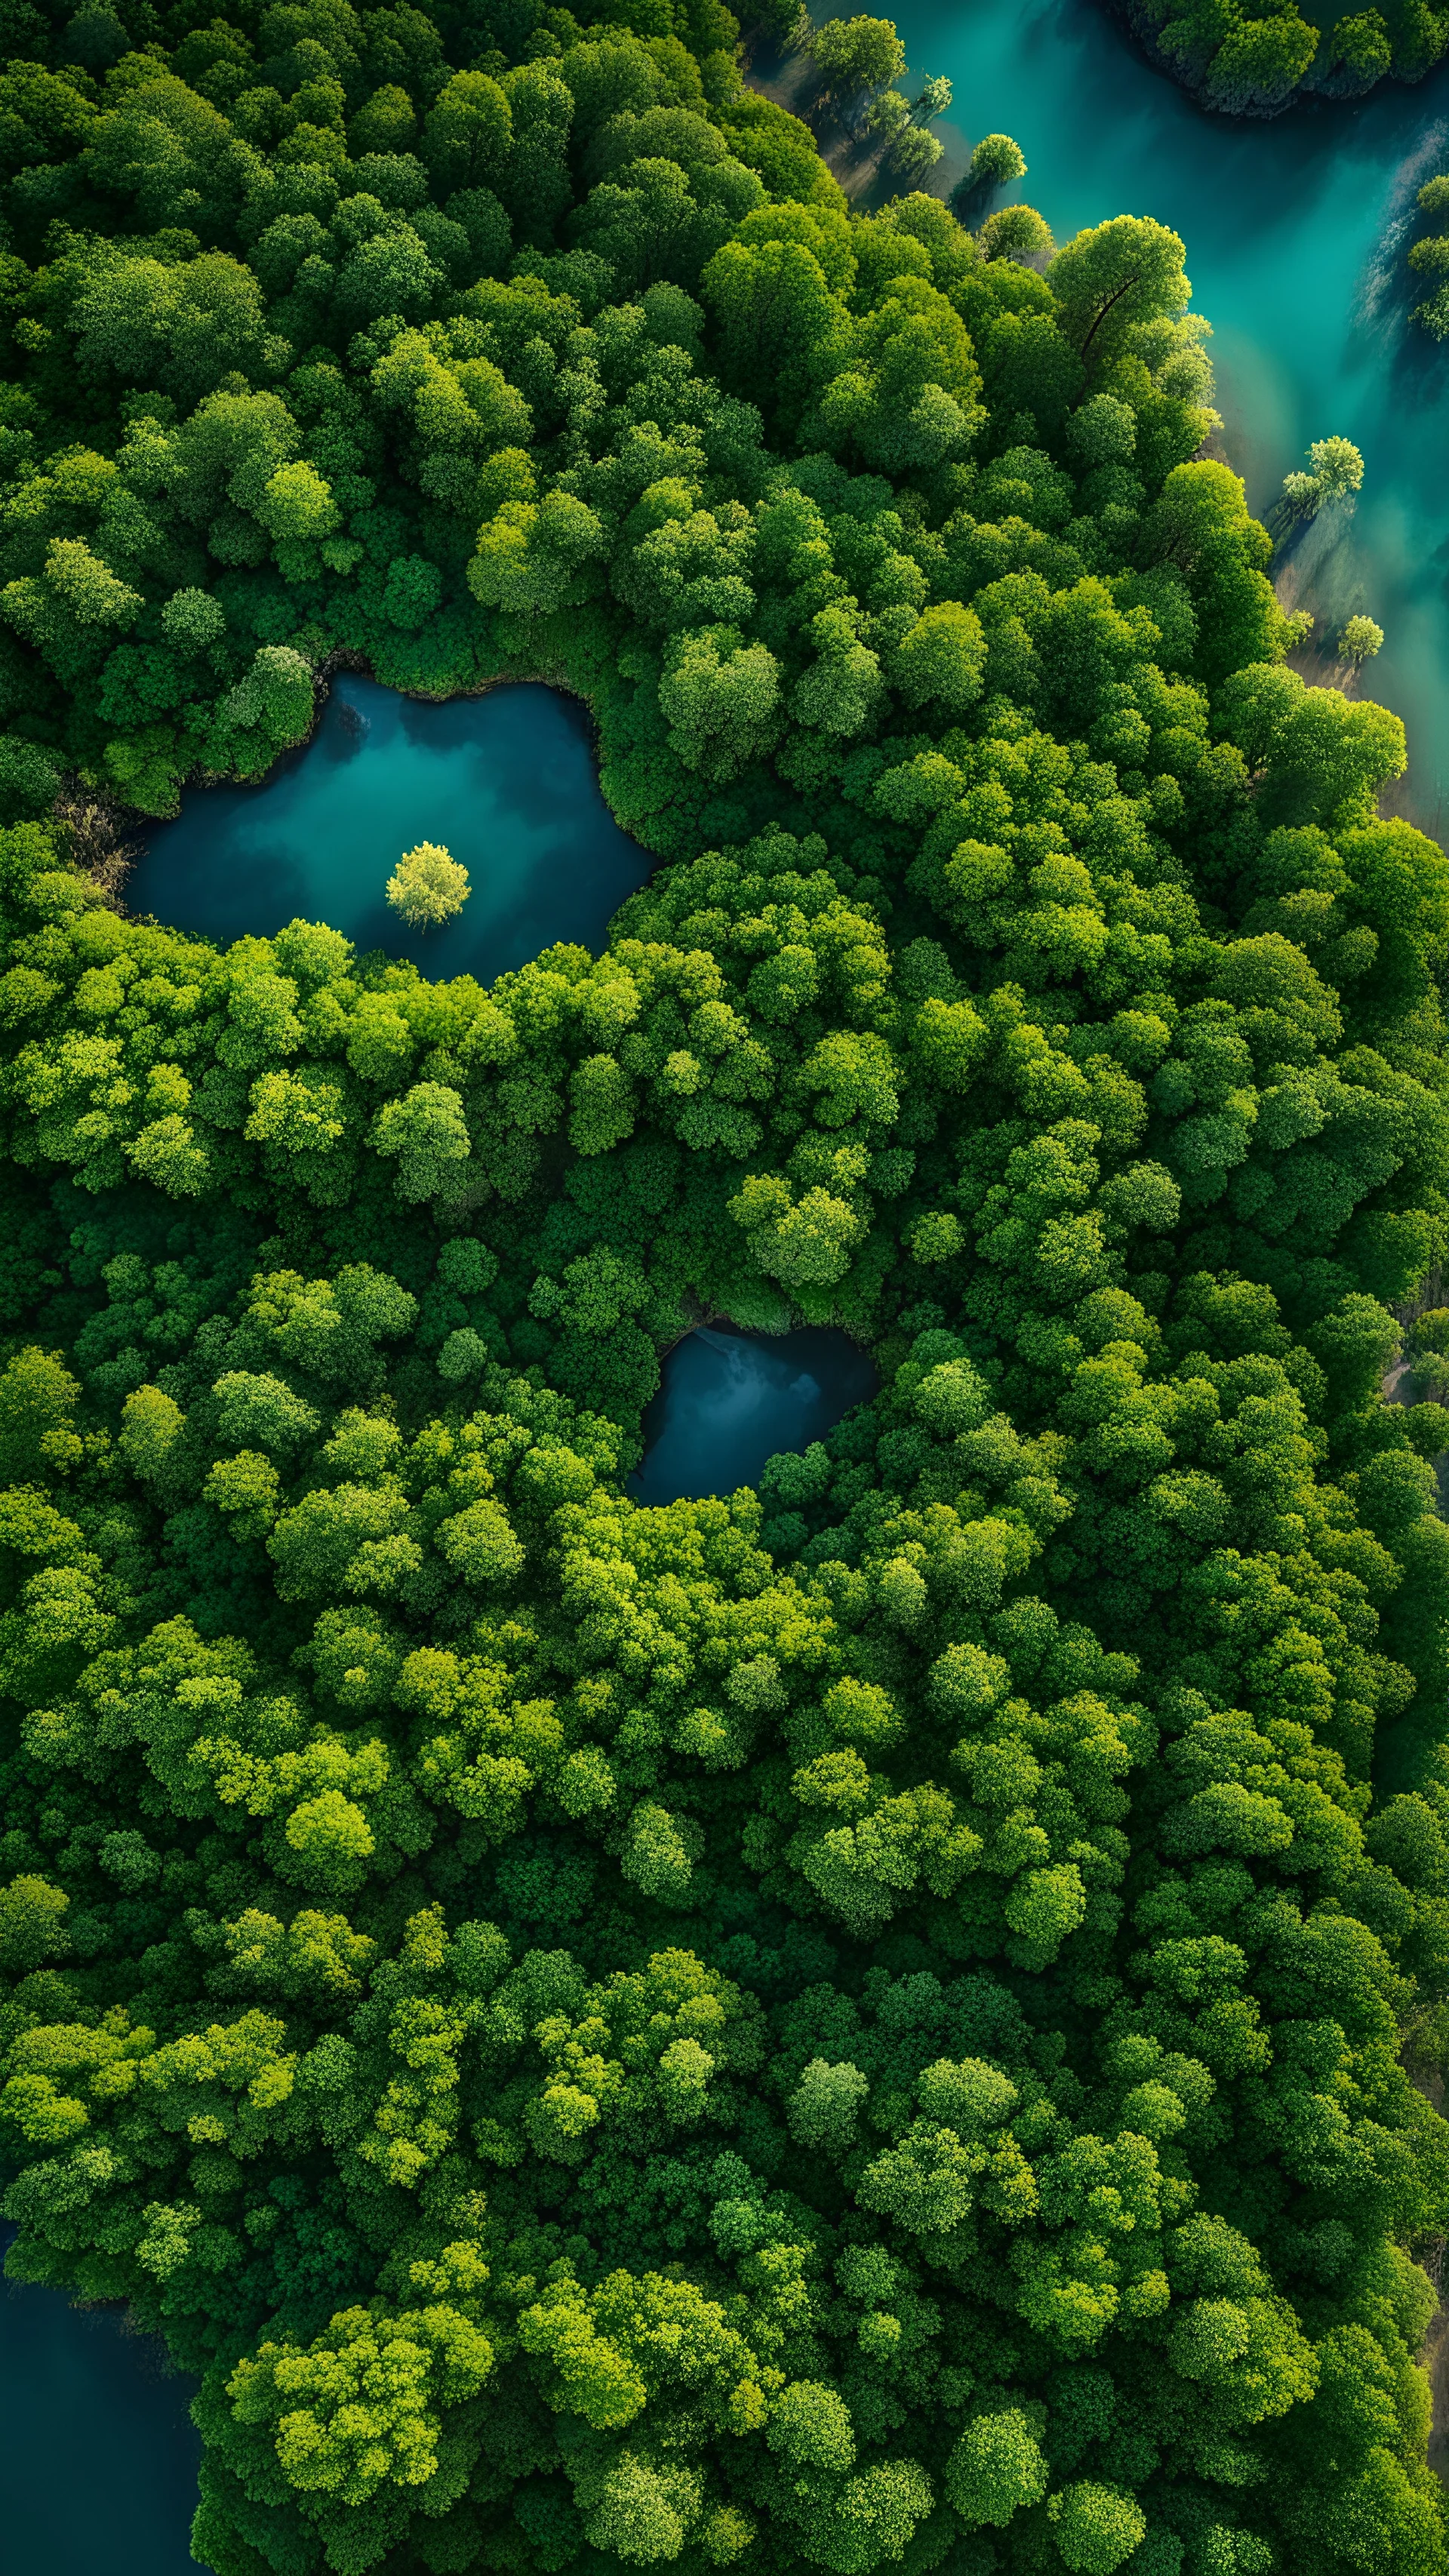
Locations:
(863, 2025)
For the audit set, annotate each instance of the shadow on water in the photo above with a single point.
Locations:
(730, 1399)
(99, 2457)
(507, 782)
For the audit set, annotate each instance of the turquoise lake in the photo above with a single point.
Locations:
(729, 1400)
(506, 781)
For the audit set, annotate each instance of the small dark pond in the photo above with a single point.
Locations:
(98, 2464)
(730, 1399)
(506, 782)
(98, 2461)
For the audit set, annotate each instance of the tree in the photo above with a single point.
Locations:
(933, 98)
(32, 1924)
(1015, 232)
(269, 709)
(67, 610)
(468, 134)
(38, 1398)
(535, 558)
(996, 2468)
(807, 1245)
(909, 149)
(1363, 43)
(427, 1132)
(995, 161)
(823, 2111)
(384, 123)
(427, 885)
(942, 658)
(1097, 2527)
(1113, 276)
(297, 509)
(1335, 477)
(192, 621)
(535, 186)
(261, 1409)
(1261, 61)
(1360, 640)
(720, 697)
(360, 2409)
(1337, 467)
(151, 1425)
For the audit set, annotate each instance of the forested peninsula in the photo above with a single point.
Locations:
(887, 2022)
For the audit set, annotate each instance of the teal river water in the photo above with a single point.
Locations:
(98, 2458)
(1294, 232)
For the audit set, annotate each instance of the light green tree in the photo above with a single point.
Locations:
(1335, 476)
(1014, 232)
(996, 161)
(996, 2467)
(855, 55)
(428, 885)
(1360, 640)
(428, 1134)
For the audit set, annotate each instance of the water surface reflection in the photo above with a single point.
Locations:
(1295, 234)
(729, 1400)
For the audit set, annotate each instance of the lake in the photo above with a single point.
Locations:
(728, 1400)
(507, 782)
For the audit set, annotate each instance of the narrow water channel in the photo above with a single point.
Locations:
(1295, 232)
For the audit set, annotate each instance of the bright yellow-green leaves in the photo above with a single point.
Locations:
(31, 1922)
(358, 2411)
(996, 2468)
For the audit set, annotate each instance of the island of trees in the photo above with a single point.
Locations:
(887, 2022)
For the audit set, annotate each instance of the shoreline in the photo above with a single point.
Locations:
(130, 821)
